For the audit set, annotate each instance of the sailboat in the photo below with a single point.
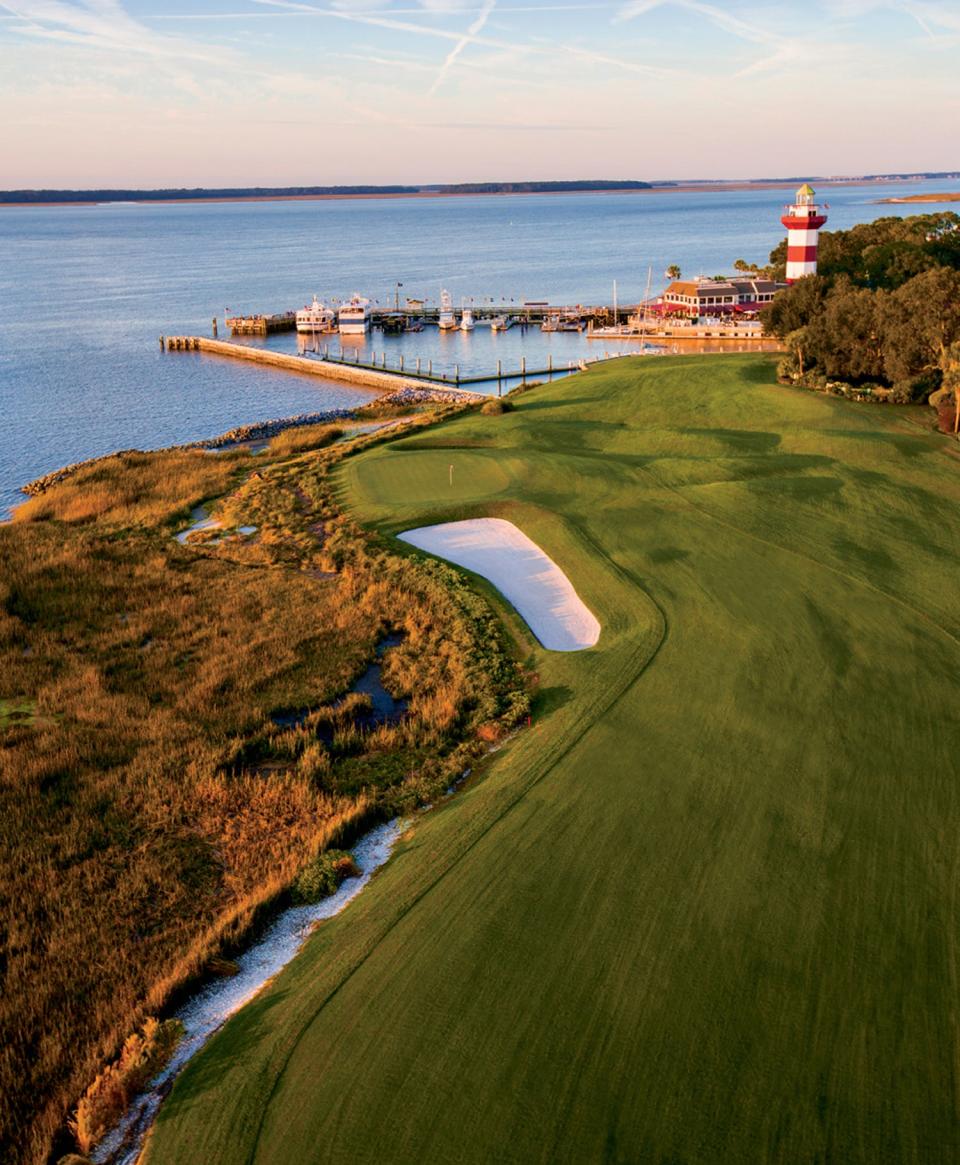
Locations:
(446, 320)
(615, 330)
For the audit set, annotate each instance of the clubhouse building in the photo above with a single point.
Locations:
(701, 297)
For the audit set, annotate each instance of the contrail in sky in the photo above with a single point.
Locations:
(461, 44)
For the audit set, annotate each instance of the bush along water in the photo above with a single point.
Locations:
(323, 876)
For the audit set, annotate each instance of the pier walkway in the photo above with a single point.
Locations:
(374, 375)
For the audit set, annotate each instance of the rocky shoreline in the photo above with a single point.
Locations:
(264, 430)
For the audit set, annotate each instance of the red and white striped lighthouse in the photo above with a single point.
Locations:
(803, 220)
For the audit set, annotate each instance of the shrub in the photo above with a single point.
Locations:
(914, 388)
(497, 407)
(323, 876)
(143, 1055)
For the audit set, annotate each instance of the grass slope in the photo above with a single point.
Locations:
(705, 911)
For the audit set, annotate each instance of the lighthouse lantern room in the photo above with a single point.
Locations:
(803, 221)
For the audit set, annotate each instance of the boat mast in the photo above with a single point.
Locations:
(646, 300)
(615, 314)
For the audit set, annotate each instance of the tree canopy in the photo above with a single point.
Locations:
(882, 310)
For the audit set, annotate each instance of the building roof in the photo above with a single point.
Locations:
(701, 287)
(755, 286)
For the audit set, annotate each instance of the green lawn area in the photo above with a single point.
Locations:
(705, 910)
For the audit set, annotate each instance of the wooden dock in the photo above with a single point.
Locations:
(260, 325)
(589, 316)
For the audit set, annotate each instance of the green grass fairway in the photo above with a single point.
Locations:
(705, 911)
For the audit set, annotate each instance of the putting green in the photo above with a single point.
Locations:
(705, 909)
(419, 474)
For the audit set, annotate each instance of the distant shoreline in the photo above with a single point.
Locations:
(922, 198)
(692, 187)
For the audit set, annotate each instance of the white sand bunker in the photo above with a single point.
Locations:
(518, 568)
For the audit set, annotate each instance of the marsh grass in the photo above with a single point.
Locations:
(303, 438)
(151, 809)
(143, 1055)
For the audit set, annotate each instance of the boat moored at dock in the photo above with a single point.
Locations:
(446, 321)
(316, 318)
(466, 319)
(500, 323)
(353, 319)
(562, 322)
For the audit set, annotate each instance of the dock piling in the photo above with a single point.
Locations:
(214, 327)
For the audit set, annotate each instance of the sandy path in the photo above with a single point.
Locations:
(503, 555)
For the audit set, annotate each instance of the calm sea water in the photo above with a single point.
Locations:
(85, 292)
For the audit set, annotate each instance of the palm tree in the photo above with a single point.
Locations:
(950, 363)
(673, 271)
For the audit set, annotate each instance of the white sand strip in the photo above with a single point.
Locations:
(502, 554)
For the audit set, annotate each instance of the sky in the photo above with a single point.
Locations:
(142, 93)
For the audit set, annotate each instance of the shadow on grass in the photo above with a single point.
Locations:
(661, 554)
(741, 440)
(904, 443)
(525, 405)
(549, 700)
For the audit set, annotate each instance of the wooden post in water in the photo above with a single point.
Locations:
(456, 373)
(523, 367)
(430, 368)
(418, 366)
(401, 361)
(550, 363)
(163, 344)
(214, 327)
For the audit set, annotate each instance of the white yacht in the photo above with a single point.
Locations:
(500, 323)
(446, 319)
(316, 318)
(354, 316)
(466, 318)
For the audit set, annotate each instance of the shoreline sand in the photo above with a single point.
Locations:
(920, 198)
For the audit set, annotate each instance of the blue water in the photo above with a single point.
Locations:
(85, 292)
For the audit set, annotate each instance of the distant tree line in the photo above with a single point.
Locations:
(882, 315)
(539, 187)
(202, 192)
(194, 192)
